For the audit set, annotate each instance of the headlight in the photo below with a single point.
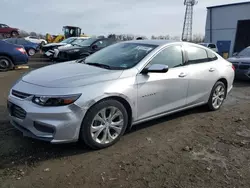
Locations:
(73, 51)
(55, 100)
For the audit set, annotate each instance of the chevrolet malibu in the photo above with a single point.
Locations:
(96, 99)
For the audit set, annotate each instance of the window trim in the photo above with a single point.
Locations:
(159, 51)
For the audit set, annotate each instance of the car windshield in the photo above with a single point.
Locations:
(84, 42)
(120, 55)
(68, 40)
(245, 52)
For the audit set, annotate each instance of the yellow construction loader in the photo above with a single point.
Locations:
(69, 31)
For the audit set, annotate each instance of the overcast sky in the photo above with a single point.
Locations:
(97, 17)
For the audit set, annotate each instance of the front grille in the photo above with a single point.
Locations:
(16, 111)
(244, 67)
(19, 94)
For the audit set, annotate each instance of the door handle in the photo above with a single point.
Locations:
(211, 70)
(182, 74)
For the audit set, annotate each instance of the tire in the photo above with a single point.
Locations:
(217, 96)
(99, 141)
(5, 63)
(42, 43)
(31, 52)
(14, 34)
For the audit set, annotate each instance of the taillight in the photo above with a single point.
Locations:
(22, 50)
(233, 67)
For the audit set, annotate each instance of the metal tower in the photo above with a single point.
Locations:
(188, 20)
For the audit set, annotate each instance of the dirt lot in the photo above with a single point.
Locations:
(194, 148)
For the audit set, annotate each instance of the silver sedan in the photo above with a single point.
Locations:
(95, 100)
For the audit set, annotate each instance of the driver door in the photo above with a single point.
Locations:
(163, 92)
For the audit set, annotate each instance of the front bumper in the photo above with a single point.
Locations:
(52, 124)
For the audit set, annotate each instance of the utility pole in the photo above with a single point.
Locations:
(188, 20)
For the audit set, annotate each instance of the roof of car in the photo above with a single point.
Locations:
(153, 42)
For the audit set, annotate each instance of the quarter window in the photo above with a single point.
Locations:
(196, 55)
(171, 56)
(211, 56)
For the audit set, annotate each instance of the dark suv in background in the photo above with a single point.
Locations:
(82, 48)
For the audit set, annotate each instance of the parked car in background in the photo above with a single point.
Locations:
(241, 62)
(82, 48)
(52, 46)
(211, 46)
(53, 52)
(30, 47)
(36, 40)
(97, 98)
(11, 55)
(7, 30)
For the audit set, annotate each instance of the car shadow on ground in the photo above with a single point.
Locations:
(29, 151)
(241, 83)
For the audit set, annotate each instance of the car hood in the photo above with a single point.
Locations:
(54, 44)
(239, 59)
(69, 74)
(64, 46)
(68, 48)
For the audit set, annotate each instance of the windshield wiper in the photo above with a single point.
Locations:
(99, 65)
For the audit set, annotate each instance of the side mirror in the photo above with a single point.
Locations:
(155, 68)
(94, 47)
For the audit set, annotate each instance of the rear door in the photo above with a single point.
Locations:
(202, 73)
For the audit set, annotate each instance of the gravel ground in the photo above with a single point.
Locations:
(194, 148)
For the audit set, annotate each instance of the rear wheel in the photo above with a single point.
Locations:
(217, 96)
(104, 124)
(31, 52)
(14, 33)
(5, 63)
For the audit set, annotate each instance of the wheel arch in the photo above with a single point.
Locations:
(224, 81)
(122, 99)
(8, 56)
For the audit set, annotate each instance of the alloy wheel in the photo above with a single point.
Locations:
(218, 96)
(107, 125)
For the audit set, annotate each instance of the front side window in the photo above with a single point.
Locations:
(126, 55)
(171, 56)
(196, 55)
(4, 26)
(84, 43)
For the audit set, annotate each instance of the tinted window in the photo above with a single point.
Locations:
(101, 43)
(21, 41)
(211, 46)
(196, 55)
(12, 41)
(211, 56)
(171, 56)
(126, 55)
(4, 26)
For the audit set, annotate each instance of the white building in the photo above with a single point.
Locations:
(228, 26)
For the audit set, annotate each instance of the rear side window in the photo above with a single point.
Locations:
(211, 56)
(211, 46)
(196, 55)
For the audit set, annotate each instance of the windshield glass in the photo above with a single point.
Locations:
(245, 52)
(121, 55)
(84, 42)
(68, 40)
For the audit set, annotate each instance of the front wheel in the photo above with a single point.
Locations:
(104, 124)
(31, 52)
(217, 96)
